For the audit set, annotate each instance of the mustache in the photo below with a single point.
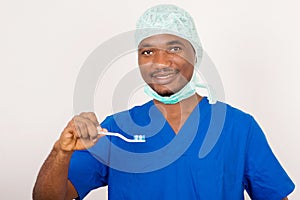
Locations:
(166, 70)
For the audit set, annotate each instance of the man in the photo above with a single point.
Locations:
(169, 50)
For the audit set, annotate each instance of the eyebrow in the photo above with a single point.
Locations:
(173, 42)
(144, 46)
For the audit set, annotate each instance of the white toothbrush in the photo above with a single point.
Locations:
(136, 138)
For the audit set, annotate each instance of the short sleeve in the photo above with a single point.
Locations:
(265, 178)
(86, 173)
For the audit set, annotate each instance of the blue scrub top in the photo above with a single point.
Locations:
(218, 153)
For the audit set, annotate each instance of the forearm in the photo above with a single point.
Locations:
(52, 180)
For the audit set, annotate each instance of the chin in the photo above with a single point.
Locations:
(165, 94)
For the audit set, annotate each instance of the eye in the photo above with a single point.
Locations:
(147, 52)
(175, 49)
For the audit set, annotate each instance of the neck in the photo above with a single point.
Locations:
(176, 114)
(188, 103)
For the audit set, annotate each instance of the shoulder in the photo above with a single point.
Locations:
(236, 122)
(234, 114)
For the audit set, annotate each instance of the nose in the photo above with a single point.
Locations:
(162, 59)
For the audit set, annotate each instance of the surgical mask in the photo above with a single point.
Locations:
(184, 93)
(187, 91)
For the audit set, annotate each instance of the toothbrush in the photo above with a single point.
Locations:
(136, 138)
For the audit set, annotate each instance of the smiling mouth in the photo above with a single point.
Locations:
(164, 78)
(163, 75)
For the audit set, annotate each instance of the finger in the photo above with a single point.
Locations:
(67, 139)
(68, 134)
(87, 128)
(99, 136)
(81, 127)
(91, 122)
(95, 140)
(91, 128)
(100, 129)
(73, 129)
(91, 116)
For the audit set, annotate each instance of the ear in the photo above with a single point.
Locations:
(196, 60)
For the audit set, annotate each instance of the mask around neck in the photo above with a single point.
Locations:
(187, 91)
(184, 93)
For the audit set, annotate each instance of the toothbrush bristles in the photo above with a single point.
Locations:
(139, 137)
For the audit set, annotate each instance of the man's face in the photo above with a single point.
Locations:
(166, 63)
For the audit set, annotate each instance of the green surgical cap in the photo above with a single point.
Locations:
(168, 19)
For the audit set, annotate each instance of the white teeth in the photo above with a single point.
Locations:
(164, 76)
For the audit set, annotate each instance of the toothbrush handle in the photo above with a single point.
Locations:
(121, 136)
(116, 134)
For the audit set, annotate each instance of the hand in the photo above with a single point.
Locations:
(80, 133)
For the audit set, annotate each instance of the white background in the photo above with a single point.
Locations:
(43, 44)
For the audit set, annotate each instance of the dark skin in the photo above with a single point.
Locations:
(52, 182)
(166, 64)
